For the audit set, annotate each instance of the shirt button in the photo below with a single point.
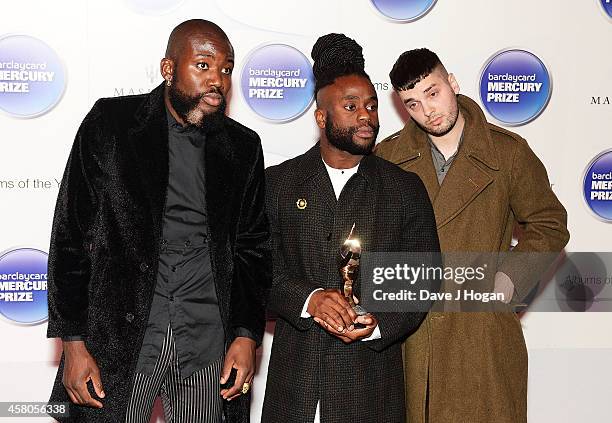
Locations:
(129, 317)
(171, 298)
(187, 243)
(144, 267)
(173, 268)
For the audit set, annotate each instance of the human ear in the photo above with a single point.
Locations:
(166, 68)
(453, 83)
(320, 118)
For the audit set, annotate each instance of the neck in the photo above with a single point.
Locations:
(336, 158)
(171, 109)
(449, 142)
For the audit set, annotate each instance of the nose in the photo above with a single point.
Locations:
(214, 79)
(363, 115)
(427, 109)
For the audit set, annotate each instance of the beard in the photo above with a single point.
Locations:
(447, 125)
(186, 107)
(342, 138)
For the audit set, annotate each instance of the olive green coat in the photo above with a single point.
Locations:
(472, 367)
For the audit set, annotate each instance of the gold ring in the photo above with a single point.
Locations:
(245, 387)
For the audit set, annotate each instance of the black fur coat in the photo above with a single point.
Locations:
(106, 236)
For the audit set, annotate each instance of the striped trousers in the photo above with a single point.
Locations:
(194, 399)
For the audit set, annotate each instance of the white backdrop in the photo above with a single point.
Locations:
(113, 47)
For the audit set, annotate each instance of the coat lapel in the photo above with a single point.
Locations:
(315, 183)
(219, 180)
(460, 187)
(149, 142)
(413, 154)
(470, 172)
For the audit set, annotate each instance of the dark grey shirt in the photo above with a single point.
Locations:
(441, 164)
(185, 296)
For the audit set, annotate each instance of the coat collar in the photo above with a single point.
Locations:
(477, 141)
(313, 171)
(311, 165)
(466, 177)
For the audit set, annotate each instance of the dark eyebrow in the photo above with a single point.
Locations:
(426, 90)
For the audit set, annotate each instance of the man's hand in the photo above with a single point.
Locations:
(349, 336)
(331, 307)
(240, 356)
(79, 368)
(504, 285)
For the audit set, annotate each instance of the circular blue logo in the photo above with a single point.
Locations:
(515, 87)
(32, 76)
(277, 82)
(23, 285)
(607, 7)
(403, 10)
(153, 7)
(597, 186)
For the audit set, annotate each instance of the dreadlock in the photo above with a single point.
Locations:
(336, 55)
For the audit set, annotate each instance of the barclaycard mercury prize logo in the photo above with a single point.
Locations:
(23, 285)
(32, 76)
(515, 86)
(597, 186)
(277, 82)
(403, 10)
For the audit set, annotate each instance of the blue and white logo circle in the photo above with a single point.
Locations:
(153, 7)
(597, 186)
(607, 7)
(403, 10)
(515, 87)
(32, 76)
(277, 82)
(23, 285)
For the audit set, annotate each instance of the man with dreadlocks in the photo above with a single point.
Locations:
(328, 364)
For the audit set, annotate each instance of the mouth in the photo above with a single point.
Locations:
(213, 99)
(365, 132)
(437, 121)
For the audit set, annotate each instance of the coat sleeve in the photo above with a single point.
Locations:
(69, 262)
(252, 263)
(289, 293)
(419, 235)
(542, 219)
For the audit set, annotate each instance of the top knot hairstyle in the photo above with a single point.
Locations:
(336, 55)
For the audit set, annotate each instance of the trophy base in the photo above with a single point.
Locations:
(360, 311)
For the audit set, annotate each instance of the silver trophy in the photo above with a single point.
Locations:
(350, 253)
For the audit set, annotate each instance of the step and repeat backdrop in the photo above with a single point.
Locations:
(540, 68)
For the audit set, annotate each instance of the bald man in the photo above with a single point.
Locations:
(158, 265)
